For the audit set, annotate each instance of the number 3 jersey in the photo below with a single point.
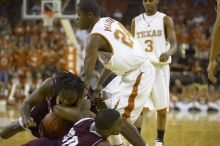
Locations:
(127, 53)
(150, 33)
(82, 134)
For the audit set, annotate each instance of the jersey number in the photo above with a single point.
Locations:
(149, 45)
(70, 139)
(124, 36)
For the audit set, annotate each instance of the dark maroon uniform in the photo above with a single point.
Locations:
(82, 134)
(41, 110)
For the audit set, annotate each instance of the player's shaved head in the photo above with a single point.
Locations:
(89, 6)
(106, 118)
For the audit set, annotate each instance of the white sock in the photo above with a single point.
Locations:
(116, 140)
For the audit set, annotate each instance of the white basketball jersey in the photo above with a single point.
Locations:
(127, 53)
(149, 31)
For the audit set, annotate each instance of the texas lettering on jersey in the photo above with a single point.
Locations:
(150, 33)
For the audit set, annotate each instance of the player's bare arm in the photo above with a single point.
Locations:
(73, 113)
(103, 77)
(94, 43)
(92, 47)
(36, 97)
(215, 46)
(171, 37)
(130, 133)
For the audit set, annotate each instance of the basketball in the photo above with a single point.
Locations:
(53, 126)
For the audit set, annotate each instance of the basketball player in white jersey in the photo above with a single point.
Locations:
(117, 50)
(215, 47)
(155, 32)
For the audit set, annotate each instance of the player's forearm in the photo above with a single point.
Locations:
(173, 49)
(215, 46)
(86, 77)
(25, 109)
(72, 114)
(173, 43)
(131, 134)
(103, 77)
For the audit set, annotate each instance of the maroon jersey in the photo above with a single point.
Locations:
(41, 110)
(82, 134)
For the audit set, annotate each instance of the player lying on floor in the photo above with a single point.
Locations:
(50, 93)
(87, 131)
(64, 89)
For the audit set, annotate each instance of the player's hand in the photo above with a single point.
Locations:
(41, 130)
(212, 70)
(28, 121)
(96, 96)
(164, 56)
(98, 99)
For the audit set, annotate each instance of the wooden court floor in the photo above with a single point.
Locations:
(183, 129)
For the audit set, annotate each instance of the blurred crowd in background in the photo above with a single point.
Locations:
(30, 52)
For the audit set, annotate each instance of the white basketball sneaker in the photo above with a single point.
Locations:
(158, 143)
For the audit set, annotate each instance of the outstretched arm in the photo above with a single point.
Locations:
(92, 47)
(45, 89)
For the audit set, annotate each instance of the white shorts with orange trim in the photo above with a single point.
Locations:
(160, 95)
(130, 92)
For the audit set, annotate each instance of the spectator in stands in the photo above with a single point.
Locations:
(200, 3)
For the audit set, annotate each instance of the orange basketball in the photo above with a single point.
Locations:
(54, 126)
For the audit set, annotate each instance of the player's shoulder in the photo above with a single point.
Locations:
(84, 121)
(106, 20)
(103, 23)
(47, 84)
(161, 14)
(138, 18)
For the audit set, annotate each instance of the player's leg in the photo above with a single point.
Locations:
(10, 130)
(161, 102)
(119, 100)
(138, 123)
(161, 124)
(108, 93)
(135, 89)
(143, 117)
